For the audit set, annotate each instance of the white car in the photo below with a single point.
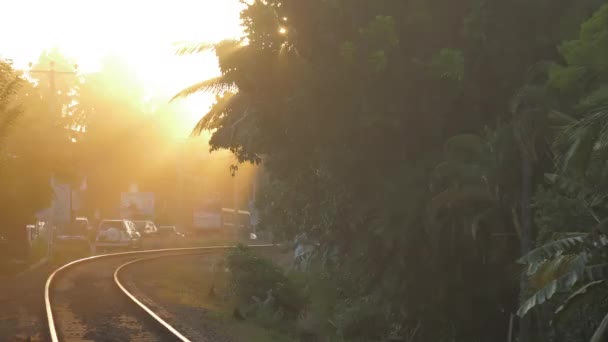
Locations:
(145, 227)
(117, 234)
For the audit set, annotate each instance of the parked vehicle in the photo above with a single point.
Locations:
(169, 231)
(145, 227)
(73, 237)
(235, 218)
(117, 234)
(75, 231)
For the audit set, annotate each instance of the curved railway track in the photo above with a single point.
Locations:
(87, 300)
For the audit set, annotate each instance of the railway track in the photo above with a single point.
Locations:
(87, 300)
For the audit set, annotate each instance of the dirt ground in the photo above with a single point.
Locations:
(22, 316)
(185, 290)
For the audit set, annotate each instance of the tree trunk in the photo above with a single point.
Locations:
(526, 237)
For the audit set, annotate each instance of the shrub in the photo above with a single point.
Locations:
(362, 319)
(256, 277)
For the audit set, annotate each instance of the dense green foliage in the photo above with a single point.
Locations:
(257, 279)
(406, 141)
(24, 171)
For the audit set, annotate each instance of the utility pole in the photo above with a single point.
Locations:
(52, 73)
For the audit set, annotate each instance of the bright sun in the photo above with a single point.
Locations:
(142, 33)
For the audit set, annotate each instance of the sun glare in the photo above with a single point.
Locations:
(142, 35)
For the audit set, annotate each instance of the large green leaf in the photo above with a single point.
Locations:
(550, 249)
(563, 283)
(581, 292)
(566, 282)
(601, 333)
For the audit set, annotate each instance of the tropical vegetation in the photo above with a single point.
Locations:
(422, 148)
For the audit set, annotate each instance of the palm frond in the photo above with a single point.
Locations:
(203, 123)
(561, 119)
(577, 158)
(596, 117)
(230, 103)
(215, 85)
(573, 187)
(190, 48)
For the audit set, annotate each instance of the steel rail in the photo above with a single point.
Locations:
(150, 312)
(52, 326)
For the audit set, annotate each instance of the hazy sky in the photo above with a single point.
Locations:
(141, 32)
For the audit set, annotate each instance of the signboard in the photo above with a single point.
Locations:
(207, 214)
(137, 203)
(77, 199)
(61, 203)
